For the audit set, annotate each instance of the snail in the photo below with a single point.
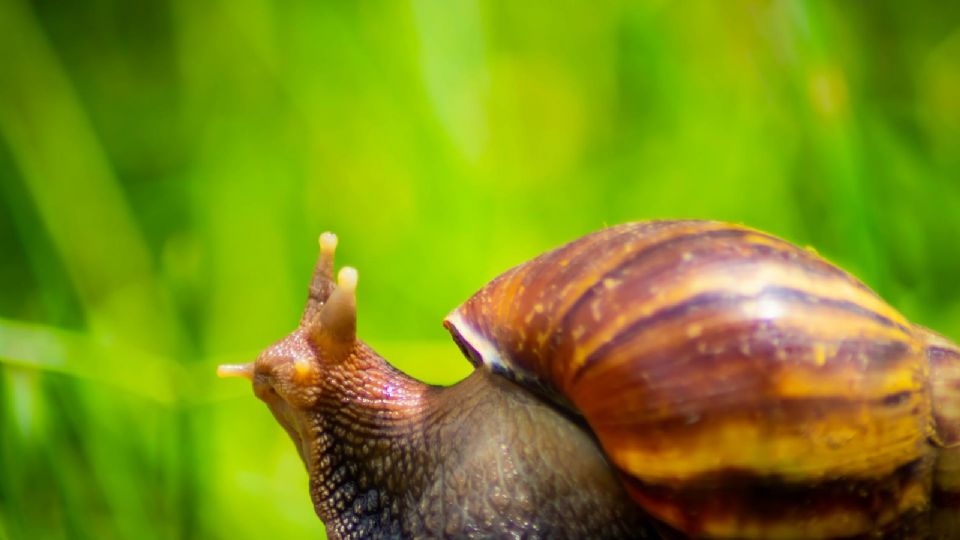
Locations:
(665, 379)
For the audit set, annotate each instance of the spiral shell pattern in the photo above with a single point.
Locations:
(744, 387)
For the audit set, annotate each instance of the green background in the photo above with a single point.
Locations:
(166, 167)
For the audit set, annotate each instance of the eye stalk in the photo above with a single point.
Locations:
(321, 284)
(328, 247)
(337, 323)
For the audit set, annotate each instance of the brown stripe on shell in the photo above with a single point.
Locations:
(751, 365)
(702, 241)
(644, 268)
(551, 293)
(728, 244)
(813, 333)
(722, 266)
(794, 420)
(724, 300)
(739, 503)
(750, 356)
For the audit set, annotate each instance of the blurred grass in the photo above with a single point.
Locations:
(165, 168)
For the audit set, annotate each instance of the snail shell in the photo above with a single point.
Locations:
(744, 387)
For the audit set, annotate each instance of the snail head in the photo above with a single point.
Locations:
(288, 375)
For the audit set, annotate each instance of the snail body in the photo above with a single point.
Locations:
(679, 379)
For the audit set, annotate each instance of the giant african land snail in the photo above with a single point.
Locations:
(658, 379)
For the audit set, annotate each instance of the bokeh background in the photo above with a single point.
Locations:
(166, 167)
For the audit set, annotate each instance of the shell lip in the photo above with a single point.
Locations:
(480, 349)
(483, 353)
(472, 344)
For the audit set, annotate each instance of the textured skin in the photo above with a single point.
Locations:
(389, 457)
(747, 387)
